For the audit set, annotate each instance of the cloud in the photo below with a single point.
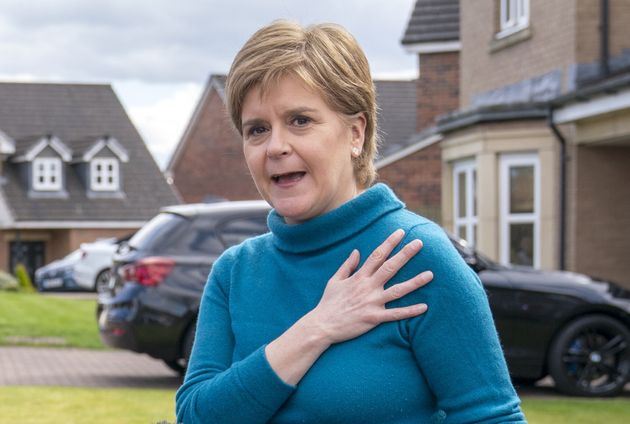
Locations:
(165, 42)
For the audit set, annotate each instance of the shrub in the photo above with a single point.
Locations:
(23, 278)
(8, 282)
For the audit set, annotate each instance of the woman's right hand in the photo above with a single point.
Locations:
(354, 302)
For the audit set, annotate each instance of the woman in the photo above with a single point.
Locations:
(321, 320)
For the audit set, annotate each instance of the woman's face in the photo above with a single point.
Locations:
(298, 150)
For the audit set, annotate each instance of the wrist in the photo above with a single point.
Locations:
(315, 331)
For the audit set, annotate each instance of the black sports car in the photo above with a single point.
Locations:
(562, 324)
(567, 325)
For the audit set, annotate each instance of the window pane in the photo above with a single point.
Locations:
(522, 189)
(522, 244)
(461, 231)
(474, 191)
(461, 177)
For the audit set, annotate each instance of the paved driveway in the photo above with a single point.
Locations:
(36, 366)
(83, 368)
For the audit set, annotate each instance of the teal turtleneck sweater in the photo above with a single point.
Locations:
(443, 366)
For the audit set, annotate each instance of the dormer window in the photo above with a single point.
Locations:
(104, 175)
(47, 174)
(513, 16)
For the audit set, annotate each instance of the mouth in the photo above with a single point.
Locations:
(287, 178)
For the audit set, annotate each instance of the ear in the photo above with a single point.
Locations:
(357, 128)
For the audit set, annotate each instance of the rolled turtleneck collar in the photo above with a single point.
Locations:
(336, 225)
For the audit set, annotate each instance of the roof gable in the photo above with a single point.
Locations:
(216, 83)
(105, 142)
(41, 143)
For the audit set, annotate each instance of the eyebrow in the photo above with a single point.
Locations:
(296, 111)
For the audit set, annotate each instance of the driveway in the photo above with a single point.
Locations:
(36, 366)
(83, 368)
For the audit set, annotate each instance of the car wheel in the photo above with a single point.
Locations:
(180, 365)
(101, 283)
(591, 357)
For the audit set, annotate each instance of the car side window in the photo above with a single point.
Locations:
(203, 238)
(237, 230)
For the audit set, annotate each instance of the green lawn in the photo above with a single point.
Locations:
(33, 319)
(577, 411)
(70, 405)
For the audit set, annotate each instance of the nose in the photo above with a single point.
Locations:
(278, 144)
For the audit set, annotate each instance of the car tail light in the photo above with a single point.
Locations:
(149, 271)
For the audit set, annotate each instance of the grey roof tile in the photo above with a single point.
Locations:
(397, 114)
(74, 113)
(433, 21)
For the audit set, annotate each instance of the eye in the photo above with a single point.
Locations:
(256, 130)
(301, 121)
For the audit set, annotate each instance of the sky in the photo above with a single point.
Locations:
(158, 54)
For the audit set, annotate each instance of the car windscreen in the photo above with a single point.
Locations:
(157, 231)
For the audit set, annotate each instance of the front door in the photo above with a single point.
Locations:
(29, 253)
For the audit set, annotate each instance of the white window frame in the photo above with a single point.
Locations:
(470, 220)
(508, 161)
(513, 16)
(51, 174)
(104, 184)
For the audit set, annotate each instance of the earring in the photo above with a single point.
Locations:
(356, 151)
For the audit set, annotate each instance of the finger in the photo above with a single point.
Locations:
(396, 314)
(396, 262)
(380, 254)
(348, 266)
(402, 289)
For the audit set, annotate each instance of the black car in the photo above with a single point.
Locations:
(562, 324)
(159, 274)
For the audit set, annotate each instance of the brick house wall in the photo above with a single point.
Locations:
(553, 46)
(601, 214)
(213, 153)
(416, 178)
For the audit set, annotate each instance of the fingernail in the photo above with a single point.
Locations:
(399, 232)
(427, 275)
(422, 307)
(416, 244)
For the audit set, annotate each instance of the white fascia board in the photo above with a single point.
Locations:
(118, 149)
(55, 143)
(439, 47)
(6, 217)
(112, 144)
(192, 123)
(7, 144)
(592, 107)
(401, 154)
(42, 225)
(64, 151)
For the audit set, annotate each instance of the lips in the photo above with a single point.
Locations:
(287, 178)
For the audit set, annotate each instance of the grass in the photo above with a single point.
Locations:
(30, 319)
(70, 405)
(576, 411)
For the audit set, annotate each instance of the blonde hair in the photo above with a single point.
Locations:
(327, 58)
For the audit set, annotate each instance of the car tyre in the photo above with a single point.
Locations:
(591, 357)
(101, 282)
(180, 365)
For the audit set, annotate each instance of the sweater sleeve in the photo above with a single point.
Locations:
(455, 342)
(216, 389)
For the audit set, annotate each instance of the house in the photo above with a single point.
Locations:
(72, 169)
(413, 167)
(208, 162)
(534, 161)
